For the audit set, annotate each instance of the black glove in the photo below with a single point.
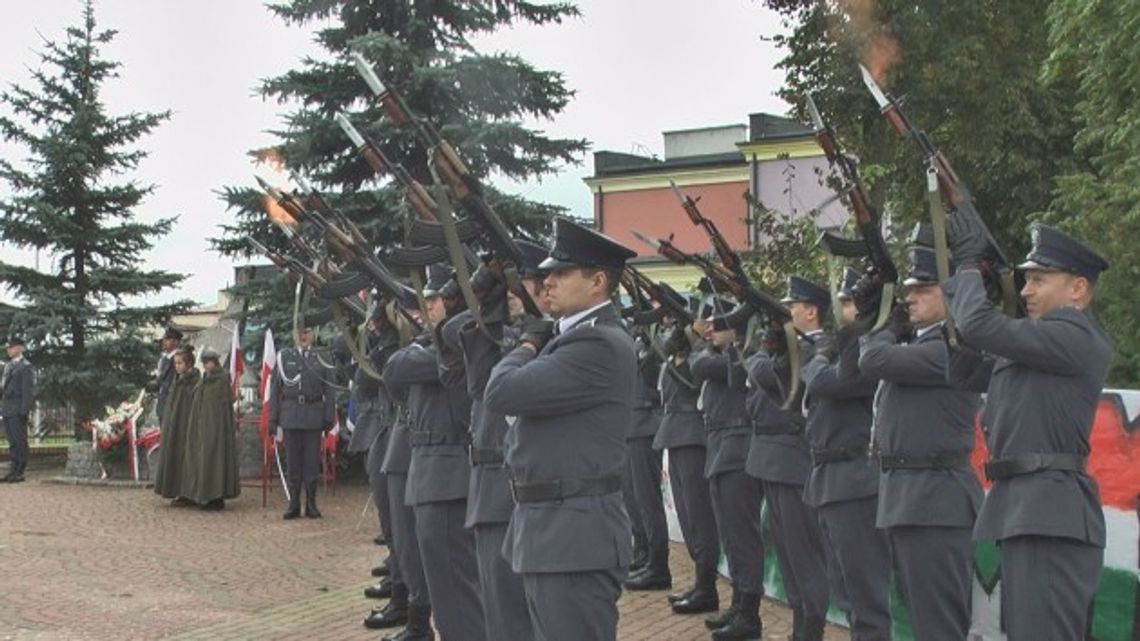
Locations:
(866, 293)
(774, 341)
(677, 343)
(899, 323)
(967, 237)
(825, 347)
(537, 332)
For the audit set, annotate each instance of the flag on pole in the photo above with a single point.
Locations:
(268, 362)
(237, 362)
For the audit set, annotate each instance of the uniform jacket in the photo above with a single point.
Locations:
(918, 412)
(647, 403)
(1043, 394)
(19, 388)
(439, 470)
(839, 417)
(489, 492)
(375, 411)
(682, 424)
(776, 458)
(574, 402)
(165, 381)
(721, 400)
(302, 396)
(398, 456)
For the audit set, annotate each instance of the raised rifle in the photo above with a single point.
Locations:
(300, 272)
(507, 257)
(723, 279)
(953, 192)
(667, 303)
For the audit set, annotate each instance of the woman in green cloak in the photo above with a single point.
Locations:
(211, 456)
(170, 477)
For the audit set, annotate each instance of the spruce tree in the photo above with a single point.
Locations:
(477, 100)
(71, 200)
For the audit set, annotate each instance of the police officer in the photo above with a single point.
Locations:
(645, 463)
(17, 389)
(571, 388)
(489, 503)
(736, 497)
(163, 381)
(682, 433)
(1043, 508)
(923, 433)
(779, 456)
(303, 406)
(843, 483)
(439, 472)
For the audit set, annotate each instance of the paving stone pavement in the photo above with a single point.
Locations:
(88, 562)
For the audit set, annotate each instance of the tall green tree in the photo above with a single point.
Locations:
(72, 200)
(1095, 45)
(968, 72)
(479, 102)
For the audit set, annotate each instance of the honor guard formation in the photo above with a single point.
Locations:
(515, 400)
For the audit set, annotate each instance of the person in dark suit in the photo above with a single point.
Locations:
(165, 375)
(923, 435)
(17, 391)
(571, 387)
(1043, 509)
(303, 406)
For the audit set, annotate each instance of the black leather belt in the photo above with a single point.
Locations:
(557, 490)
(852, 453)
(927, 461)
(776, 430)
(1029, 463)
(301, 399)
(427, 437)
(723, 426)
(689, 409)
(486, 456)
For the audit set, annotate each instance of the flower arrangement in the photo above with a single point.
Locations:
(112, 435)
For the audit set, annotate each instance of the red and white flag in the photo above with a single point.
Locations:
(237, 362)
(264, 387)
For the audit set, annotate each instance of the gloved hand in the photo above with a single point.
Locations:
(537, 332)
(899, 323)
(967, 236)
(825, 347)
(677, 343)
(774, 341)
(866, 293)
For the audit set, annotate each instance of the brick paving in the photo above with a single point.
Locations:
(89, 562)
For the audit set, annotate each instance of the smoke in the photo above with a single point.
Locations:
(856, 24)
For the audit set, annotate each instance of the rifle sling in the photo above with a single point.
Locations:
(354, 343)
(886, 302)
(795, 358)
(833, 286)
(455, 252)
(941, 248)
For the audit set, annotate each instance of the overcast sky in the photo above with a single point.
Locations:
(639, 67)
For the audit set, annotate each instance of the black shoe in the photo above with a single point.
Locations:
(680, 596)
(699, 601)
(389, 616)
(381, 590)
(14, 478)
(640, 560)
(418, 628)
(745, 622)
(294, 509)
(381, 570)
(216, 505)
(723, 618)
(650, 579)
(379, 540)
(311, 510)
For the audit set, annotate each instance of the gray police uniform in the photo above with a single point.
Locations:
(375, 414)
(303, 404)
(17, 389)
(489, 502)
(843, 485)
(737, 499)
(682, 432)
(779, 456)
(928, 493)
(569, 535)
(1043, 509)
(404, 563)
(438, 476)
(645, 461)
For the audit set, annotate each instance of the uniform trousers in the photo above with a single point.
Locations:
(862, 555)
(934, 570)
(574, 606)
(504, 599)
(694, 506)
(447, 550)
(303, 455)
(835, 583)
(799, 548)
(16, 429)
(737, 500)
(645, 467)
(629, 496)
(1047, 585)
(404, 544)
(378, 481)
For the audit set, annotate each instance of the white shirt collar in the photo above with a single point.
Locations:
(919, 333)
(566, 322)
